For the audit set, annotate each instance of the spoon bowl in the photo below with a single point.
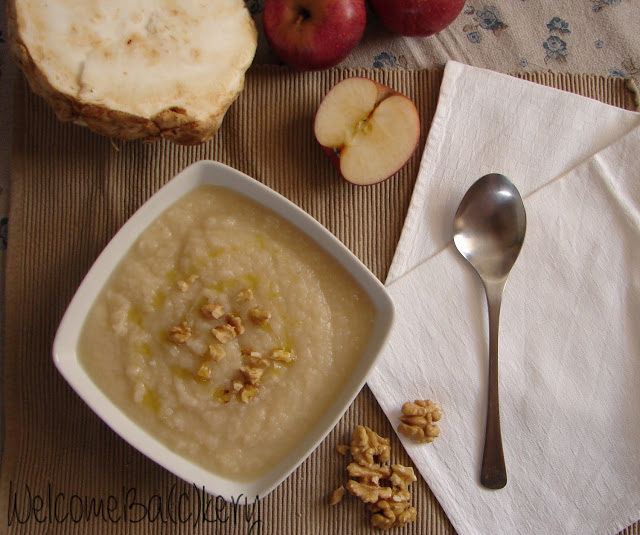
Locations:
(489, 229)
(489, 226)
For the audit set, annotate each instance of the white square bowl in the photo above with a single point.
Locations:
(65, 355)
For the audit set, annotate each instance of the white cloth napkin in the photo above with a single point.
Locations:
(570, 322)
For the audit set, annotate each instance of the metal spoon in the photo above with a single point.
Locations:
(489, 229)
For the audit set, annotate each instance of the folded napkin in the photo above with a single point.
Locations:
(570, 330)
(488, 122)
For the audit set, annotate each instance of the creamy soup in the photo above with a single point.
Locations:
(225, 332)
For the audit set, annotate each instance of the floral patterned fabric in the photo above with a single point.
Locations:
(589, 36)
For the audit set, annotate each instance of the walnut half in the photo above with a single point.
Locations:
(418, 420)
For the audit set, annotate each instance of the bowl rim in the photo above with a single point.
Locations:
(66, 358)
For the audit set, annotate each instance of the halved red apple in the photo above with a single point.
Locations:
(368, 130)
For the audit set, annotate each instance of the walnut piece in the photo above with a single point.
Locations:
(252, 374)
(382, 522)
(244, 296)
(235, 321)
(369, 474)
(224, 333)
(408, 515)
(383, 505)
(248, 392)
(212, 310)
(183, 286)
(216, 352)
(255, 359)
(402, 476)
(367, 444)
(418, 420)
(246, 383)
(259, 316)
(337, 495)
(368, 493)
(392, 514)
(223, 396)
(179, 334)
(342, 449)
(204, 372)
(237, 385)
(282, 355)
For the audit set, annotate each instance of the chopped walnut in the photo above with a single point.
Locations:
(244, 296)
(183, 286)
(337, 495)
(252, 374)
(417, 420)
(255, 359)
(258, 362)
(282, 355)
(224, 333)
(237, 385)
(366, 444)
(204, 372)
(248, 392)
(235, 321)
(193, 278)
(216, 352)
(223, 396)
(259, 316)
(179, 334)
(212, 310)
(342, 449)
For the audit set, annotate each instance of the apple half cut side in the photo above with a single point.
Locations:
(368, 130)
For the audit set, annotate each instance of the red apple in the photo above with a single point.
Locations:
(418, 18)
(368, 130)
(313, 34)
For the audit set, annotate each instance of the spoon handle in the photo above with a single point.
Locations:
(494, 473)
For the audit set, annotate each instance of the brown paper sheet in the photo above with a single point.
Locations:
(70, 192)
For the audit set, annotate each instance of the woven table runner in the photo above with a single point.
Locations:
(71, 191)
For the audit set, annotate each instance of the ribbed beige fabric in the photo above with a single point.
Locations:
(71, 190)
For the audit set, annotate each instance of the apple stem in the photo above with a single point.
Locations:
(303, 14)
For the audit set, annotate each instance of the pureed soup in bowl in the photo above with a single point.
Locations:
(226, 332)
